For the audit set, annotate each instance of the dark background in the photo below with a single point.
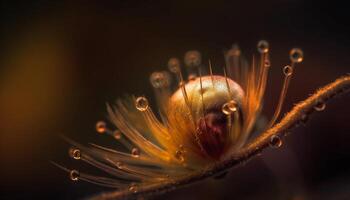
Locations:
(61, 61)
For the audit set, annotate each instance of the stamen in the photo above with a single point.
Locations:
(296, 56)
(227, 84)
(233, 62)
(161, 82)
(211, 73)
(263, 48)
(192, 61)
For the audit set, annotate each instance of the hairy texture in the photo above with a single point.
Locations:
(297, 115)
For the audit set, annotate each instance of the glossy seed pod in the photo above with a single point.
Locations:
(201, 118)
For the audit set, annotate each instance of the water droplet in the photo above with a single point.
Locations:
(101, 127)
(117, 134)
(133, 188)
(288, 70)
(75, 153)
(192, 58)
(159, 80)
(119, 165)
(74, 175)
(296, 55)
(135, 152)
(275, 141)
(174, 65)
(263, 46)
(267, 63)
(320, 106)
(141, 104)
(229, 107)
(179, 155)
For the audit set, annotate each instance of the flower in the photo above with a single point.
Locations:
(200, 122)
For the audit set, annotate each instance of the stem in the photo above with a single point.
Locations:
(290, 120)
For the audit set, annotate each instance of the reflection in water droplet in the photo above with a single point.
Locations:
(141, 104)
(74, 175)
(192, 58)
(174, 65)
(75, 153)
(135, 152)
(296, 55)
(101, 127)
(229, 107)
(320, 106)
(117, 134)
(263, 46)
(275, 141)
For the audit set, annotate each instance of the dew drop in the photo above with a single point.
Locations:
(117, 134)
(74, 175)
(141, 104)
(296, 55)
(263, 46)
(119, 165)
(174, 65)
(75, 153)
(192, 58)
(101, 127)
(320, 106)
(275, 141)
(159, 80)
(135, 152)
(179, 155)
(288, 70)
(133, 188)
(229, 107)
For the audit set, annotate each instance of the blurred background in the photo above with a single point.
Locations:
(62, 61)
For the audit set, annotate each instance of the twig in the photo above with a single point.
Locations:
(297, 115)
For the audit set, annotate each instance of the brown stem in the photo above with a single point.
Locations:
(298, 114)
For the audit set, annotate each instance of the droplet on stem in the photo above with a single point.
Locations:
(133, 188)
(135, 152)
(174, 65)
(275, 141)
(288, 70)
(263, 46)
(74, 175)
(296, 55)
(75, 153)
(320, 106)
(179, 155)
(159, 80)
(117, 134)
(101, 127)
(229, 107)
(141, 104)
(192, 58)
